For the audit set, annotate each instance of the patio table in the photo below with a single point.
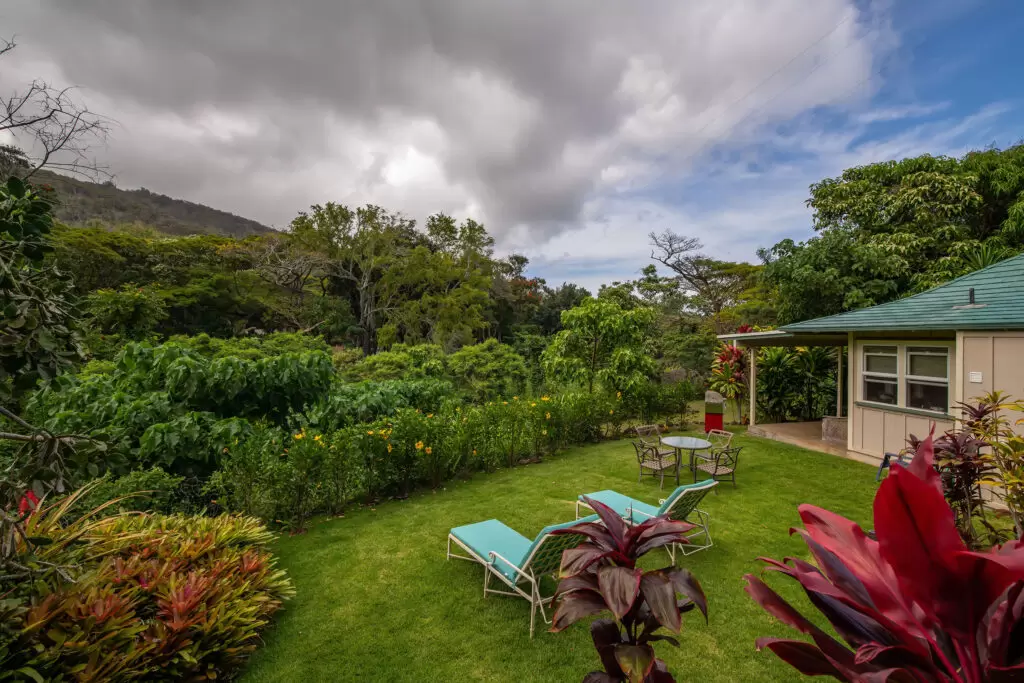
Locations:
(685, 443)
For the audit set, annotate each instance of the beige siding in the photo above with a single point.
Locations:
(999, 357)
(876, 430)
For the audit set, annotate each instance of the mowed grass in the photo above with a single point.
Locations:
(378, 602)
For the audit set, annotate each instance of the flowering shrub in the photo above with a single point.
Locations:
(283, 476)
(154, 598)
(729, 374)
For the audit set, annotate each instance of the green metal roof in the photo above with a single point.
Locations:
(998, 305)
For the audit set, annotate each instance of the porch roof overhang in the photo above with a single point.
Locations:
(783, 338)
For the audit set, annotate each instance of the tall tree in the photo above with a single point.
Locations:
(713, 286)
(894, 228)
(360, 247)
(602, 344)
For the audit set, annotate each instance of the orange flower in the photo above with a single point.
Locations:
(419, 445)
(428, 450)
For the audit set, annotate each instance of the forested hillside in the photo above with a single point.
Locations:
(80, 201)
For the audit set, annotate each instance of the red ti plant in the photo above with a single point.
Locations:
(600, 575)
(915, 605)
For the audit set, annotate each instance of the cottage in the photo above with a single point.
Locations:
(910, 361)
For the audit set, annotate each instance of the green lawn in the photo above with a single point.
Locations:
(378, 602)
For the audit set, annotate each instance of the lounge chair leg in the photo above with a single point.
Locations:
(533, 608)
(487, 580)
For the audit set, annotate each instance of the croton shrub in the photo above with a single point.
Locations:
(149, 598)
(914, 605)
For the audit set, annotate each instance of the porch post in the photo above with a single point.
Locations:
(752, 351)
(839, 383)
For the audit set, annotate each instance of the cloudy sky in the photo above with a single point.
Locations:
(572, 128)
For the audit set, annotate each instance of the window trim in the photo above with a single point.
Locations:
(901, 377)
(866, 374)
(922, 379)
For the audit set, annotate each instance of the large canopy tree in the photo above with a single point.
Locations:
(898, 227)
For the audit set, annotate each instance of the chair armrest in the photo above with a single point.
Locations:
(492, 556)
(632, 511)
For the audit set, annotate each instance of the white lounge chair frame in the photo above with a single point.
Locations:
(544, 559)
(678, 511)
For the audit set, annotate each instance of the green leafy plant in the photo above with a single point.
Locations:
(38, 340)
(601, 344)
(601, 575)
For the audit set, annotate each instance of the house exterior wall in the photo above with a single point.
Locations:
(877, 429)
(993, 361)
(997, 361)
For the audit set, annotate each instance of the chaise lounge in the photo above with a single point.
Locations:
(515, 560)
(680, 505)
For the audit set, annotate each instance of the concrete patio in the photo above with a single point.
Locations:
(807, 435)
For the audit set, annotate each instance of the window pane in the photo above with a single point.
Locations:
(885, 364)
(927, 396)
(927, 366)
(880, 391)
(880, 349)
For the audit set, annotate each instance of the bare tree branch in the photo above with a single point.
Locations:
(53, 129)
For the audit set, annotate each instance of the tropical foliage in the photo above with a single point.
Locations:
(152, 598)
(601, 575)
(893, 228)
(916, 604)
(602, 345)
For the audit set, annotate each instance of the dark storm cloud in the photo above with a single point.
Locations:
(520, 105)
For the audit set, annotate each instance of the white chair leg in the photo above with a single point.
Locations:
(487, 580)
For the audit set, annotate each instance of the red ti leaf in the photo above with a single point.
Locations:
(616, 527)
(574, 606)
(660, 596)
(576, 560)
(636, 661)
(804, 657)
(686, 583)
(619, 587)
(606, 636)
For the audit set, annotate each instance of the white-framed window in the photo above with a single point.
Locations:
(880, 374)
(927, 378)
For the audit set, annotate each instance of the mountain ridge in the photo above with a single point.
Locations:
(82, 201)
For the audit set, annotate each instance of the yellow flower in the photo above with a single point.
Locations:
(611, 412)
(545, 398)
(317, 437)
(430, 415)
(389, 448)
(458, 410)
(370, 433)
(428, 450)
(544, 432)
(504, 403)
(474, 451)
(299, 436)
(419, 445)
(533, 405)
(618, 394)
(547, 416)
(515, 398)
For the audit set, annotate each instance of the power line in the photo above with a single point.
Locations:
(770, 77)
